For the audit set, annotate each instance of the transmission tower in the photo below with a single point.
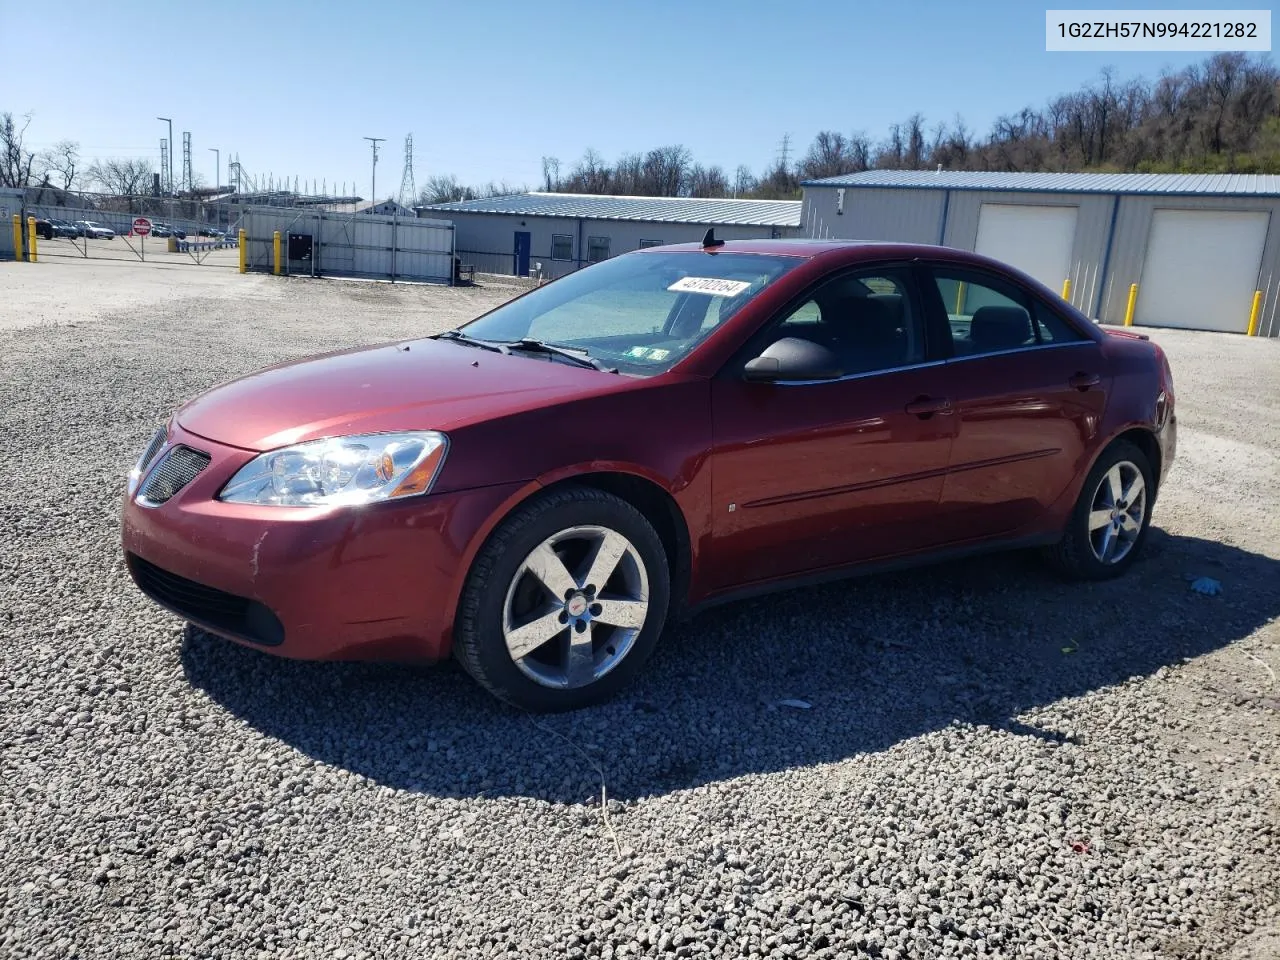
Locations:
(408, 192)
(186, 162)
(164, 165)
(784, 153)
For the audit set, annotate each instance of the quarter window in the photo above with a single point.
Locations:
(561, 246)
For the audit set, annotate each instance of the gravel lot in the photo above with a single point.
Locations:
(994, 763)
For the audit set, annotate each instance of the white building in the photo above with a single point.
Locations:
(563, 231)
(1201, 248)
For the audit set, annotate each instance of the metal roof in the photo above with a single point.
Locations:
(747, 213)
(1221, 184)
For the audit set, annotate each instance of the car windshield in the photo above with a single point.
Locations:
(640, 313)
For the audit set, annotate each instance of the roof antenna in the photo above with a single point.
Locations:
(709, 240)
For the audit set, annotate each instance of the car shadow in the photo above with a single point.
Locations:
(876, 660)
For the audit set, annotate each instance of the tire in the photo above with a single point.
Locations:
(506, 607)
(1089, 551)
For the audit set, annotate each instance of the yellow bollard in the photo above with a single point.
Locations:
(1066, 289)
(1133, 302)
(960, 292)
(275, 244)
(32, 237)
(244, 255)
(17, 237)
(1255, 313)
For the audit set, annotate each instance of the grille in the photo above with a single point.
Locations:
(238, 616)
(152, 449)
(179, 467)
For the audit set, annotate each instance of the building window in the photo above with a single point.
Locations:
(561, 247)
(650, 243)
(597, 249)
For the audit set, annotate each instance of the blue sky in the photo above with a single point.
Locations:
(488, 88)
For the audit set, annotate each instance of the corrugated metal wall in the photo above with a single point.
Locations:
(355, 245)
(10, 203)
(1099, 286)
(909, 216)
(487, 240)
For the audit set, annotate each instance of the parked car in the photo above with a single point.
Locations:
(94, 230)
(44, 229)
(701, 422)
(63, 228)
(214, 232)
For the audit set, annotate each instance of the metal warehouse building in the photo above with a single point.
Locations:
(1198, 246)
(563, 231)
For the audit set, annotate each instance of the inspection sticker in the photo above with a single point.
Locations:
(711, 285)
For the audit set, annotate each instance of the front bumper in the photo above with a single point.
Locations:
(379, 582)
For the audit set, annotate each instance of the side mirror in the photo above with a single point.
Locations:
(793, 358)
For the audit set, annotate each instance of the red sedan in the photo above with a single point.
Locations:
(539, 491)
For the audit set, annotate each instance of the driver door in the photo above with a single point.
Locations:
(813, 475)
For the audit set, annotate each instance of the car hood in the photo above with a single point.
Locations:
(412, 385)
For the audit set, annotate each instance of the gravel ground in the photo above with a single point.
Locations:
(993, 763)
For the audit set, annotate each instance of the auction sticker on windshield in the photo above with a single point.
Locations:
(711, 285)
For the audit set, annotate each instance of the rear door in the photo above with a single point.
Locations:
(1028, 392)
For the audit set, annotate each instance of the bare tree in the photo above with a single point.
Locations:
(15, 159)
(707, 181)
(832, 154)
(61, 163)
(444, 188)
(666, 171)
(550, 174)
(591, 174)
(124, 177)
(628, 174)
(744, 181)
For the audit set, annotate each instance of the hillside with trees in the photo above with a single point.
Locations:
(1219, 116)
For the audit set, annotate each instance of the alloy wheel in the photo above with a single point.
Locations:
(1117, 513)
(575, 606)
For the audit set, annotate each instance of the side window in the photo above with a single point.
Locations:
(985, 314)
(868, 319)
(1051, 328)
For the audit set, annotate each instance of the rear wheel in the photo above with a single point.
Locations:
(1109, 523)
(565, 602)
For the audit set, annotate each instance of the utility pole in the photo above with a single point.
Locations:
(217, 168)
(373, 175)
(169, 172)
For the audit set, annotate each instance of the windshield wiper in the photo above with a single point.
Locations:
(457, 336)
(580, 357)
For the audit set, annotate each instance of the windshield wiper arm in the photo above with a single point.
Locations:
(580, 357)
(457, 336)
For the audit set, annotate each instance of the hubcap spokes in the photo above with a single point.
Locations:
(575, 606)
(1117, 513)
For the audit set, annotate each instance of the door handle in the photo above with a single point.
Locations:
(925, 407)
(1083, 381)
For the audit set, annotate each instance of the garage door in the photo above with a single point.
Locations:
(1201, 269)
(1036, 240)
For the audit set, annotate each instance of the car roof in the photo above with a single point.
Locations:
(849, 250)
(839, 253)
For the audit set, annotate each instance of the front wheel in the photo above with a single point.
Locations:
(565, 602)
(1109, 523)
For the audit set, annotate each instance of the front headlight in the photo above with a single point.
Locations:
(341, 471)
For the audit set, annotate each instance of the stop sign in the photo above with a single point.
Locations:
(141, 226)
